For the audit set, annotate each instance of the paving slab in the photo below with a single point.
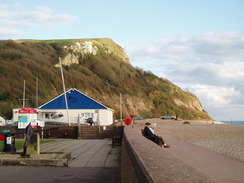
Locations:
(92, 161)
(11, 174)
(86, 152)
(222, 168)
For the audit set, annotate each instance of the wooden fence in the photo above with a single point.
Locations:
(72, 132)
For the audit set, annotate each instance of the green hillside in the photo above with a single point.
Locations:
(98, 67)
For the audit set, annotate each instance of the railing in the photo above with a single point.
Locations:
(72, 131)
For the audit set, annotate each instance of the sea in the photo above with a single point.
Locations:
(234, 122)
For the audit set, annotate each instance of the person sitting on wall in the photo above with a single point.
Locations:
(149, 133)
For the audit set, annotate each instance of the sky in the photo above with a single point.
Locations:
(196, 44)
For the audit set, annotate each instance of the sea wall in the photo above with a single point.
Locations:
(142, 161)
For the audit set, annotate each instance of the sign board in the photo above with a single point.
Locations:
(8, 140)
(27, 110)
(22, 121)
(25, 116)
(40, 123)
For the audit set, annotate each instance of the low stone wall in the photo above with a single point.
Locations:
(142, 161)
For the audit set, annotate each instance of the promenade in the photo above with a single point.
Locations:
(87, 152)
(219, 167)
(214, 150)
(93, 161)
(96, 161)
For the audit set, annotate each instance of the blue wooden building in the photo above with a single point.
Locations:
(80, 107)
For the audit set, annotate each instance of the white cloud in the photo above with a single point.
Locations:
(227, 74)
(213, 95)
(229, 71)
(14, 15)
(231, 112)
(211, 65)
(209, 47)
(5, 33)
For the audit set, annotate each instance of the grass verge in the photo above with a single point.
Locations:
(19, 143)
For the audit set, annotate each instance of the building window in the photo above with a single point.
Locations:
(87, 115)
(46, 116)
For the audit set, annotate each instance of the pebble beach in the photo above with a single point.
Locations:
(226, 139)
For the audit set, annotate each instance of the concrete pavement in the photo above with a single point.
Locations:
(93, 161)
(87, 152)
(96, 161)
(222, 168)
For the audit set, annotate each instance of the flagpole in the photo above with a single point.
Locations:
(121, 107)
(65, 97)
(37, 92)
(24, 96)
(23, 105)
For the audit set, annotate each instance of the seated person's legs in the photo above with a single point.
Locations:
(154, 139)
(160, 141)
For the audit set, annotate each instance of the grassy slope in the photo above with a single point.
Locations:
(102, 77)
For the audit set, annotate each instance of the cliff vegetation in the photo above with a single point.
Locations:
(97, 67)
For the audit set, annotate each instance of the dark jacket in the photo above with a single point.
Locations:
(148, 132)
